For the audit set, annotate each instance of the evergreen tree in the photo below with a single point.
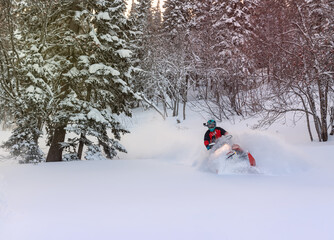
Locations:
(156, 19)
(73, 76)
(96, 78)
(27, 91)
(111, 67)
(148, 51)
(143, 50)
(5, 64)
(219, 29)
(231, 28)
(176, 28)
(136, 38)
(177, 16)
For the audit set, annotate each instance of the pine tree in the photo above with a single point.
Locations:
(219, 29)
(176, 28)
(5, 64)
(73, 77)
(156, 19)
(177, 16)
(27, 91)
(135, 41)
(111, 93)
(231, 28)
(147, 48)
(96, 78)
(143, 47)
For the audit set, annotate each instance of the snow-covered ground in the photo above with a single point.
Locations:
(160, 190)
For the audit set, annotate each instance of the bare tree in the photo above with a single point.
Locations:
(297, 56)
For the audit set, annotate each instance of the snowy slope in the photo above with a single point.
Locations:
(159, 191)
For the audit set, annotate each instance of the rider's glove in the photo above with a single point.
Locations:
(208, 147)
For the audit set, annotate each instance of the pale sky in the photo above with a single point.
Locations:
(154, 4)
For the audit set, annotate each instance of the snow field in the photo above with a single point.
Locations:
(149, 199)
(159, 191)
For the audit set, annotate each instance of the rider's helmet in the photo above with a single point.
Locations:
(211, 125)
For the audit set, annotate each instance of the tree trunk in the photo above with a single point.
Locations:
(185, 96)
(165, 108)
(184, 110)
(309, 127)
(324, 132)
(317, 126)
(81, 145)
(332, 121)
(307, 117)
(106, 149)
(317, 123)
(323, 91)
(83, 134)
(55, 151)
(206, 88)
(176, 107)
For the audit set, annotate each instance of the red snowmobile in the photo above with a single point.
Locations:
(226, 155)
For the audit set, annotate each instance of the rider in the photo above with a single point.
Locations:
(213, 133)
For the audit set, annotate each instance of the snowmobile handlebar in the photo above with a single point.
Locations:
(226, 138)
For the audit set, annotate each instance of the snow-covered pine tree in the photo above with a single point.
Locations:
(63, 47)
(202, 44)
(148, 50)
(219, 30)
(5, 20)
(156, 18)
(73, 75)
(176, 17)
(133, 10)
(111, 68)
(231, 28)
(135, 37)
(156, 67)
(176, 28)
(144, 21)
(142, 45)
(92, 89)
(27, 91)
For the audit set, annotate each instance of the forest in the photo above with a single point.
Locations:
(76, 66)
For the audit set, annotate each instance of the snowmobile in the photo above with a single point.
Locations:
(226, 156)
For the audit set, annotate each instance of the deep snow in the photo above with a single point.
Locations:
(160, 190)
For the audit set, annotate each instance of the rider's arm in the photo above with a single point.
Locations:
(207, 138)
(222, 131)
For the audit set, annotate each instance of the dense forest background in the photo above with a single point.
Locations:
(76, 66)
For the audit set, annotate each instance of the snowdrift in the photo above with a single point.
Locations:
(272, 154)
(159, 190)
(183, 144)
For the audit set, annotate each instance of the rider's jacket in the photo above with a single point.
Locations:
(211, 137)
